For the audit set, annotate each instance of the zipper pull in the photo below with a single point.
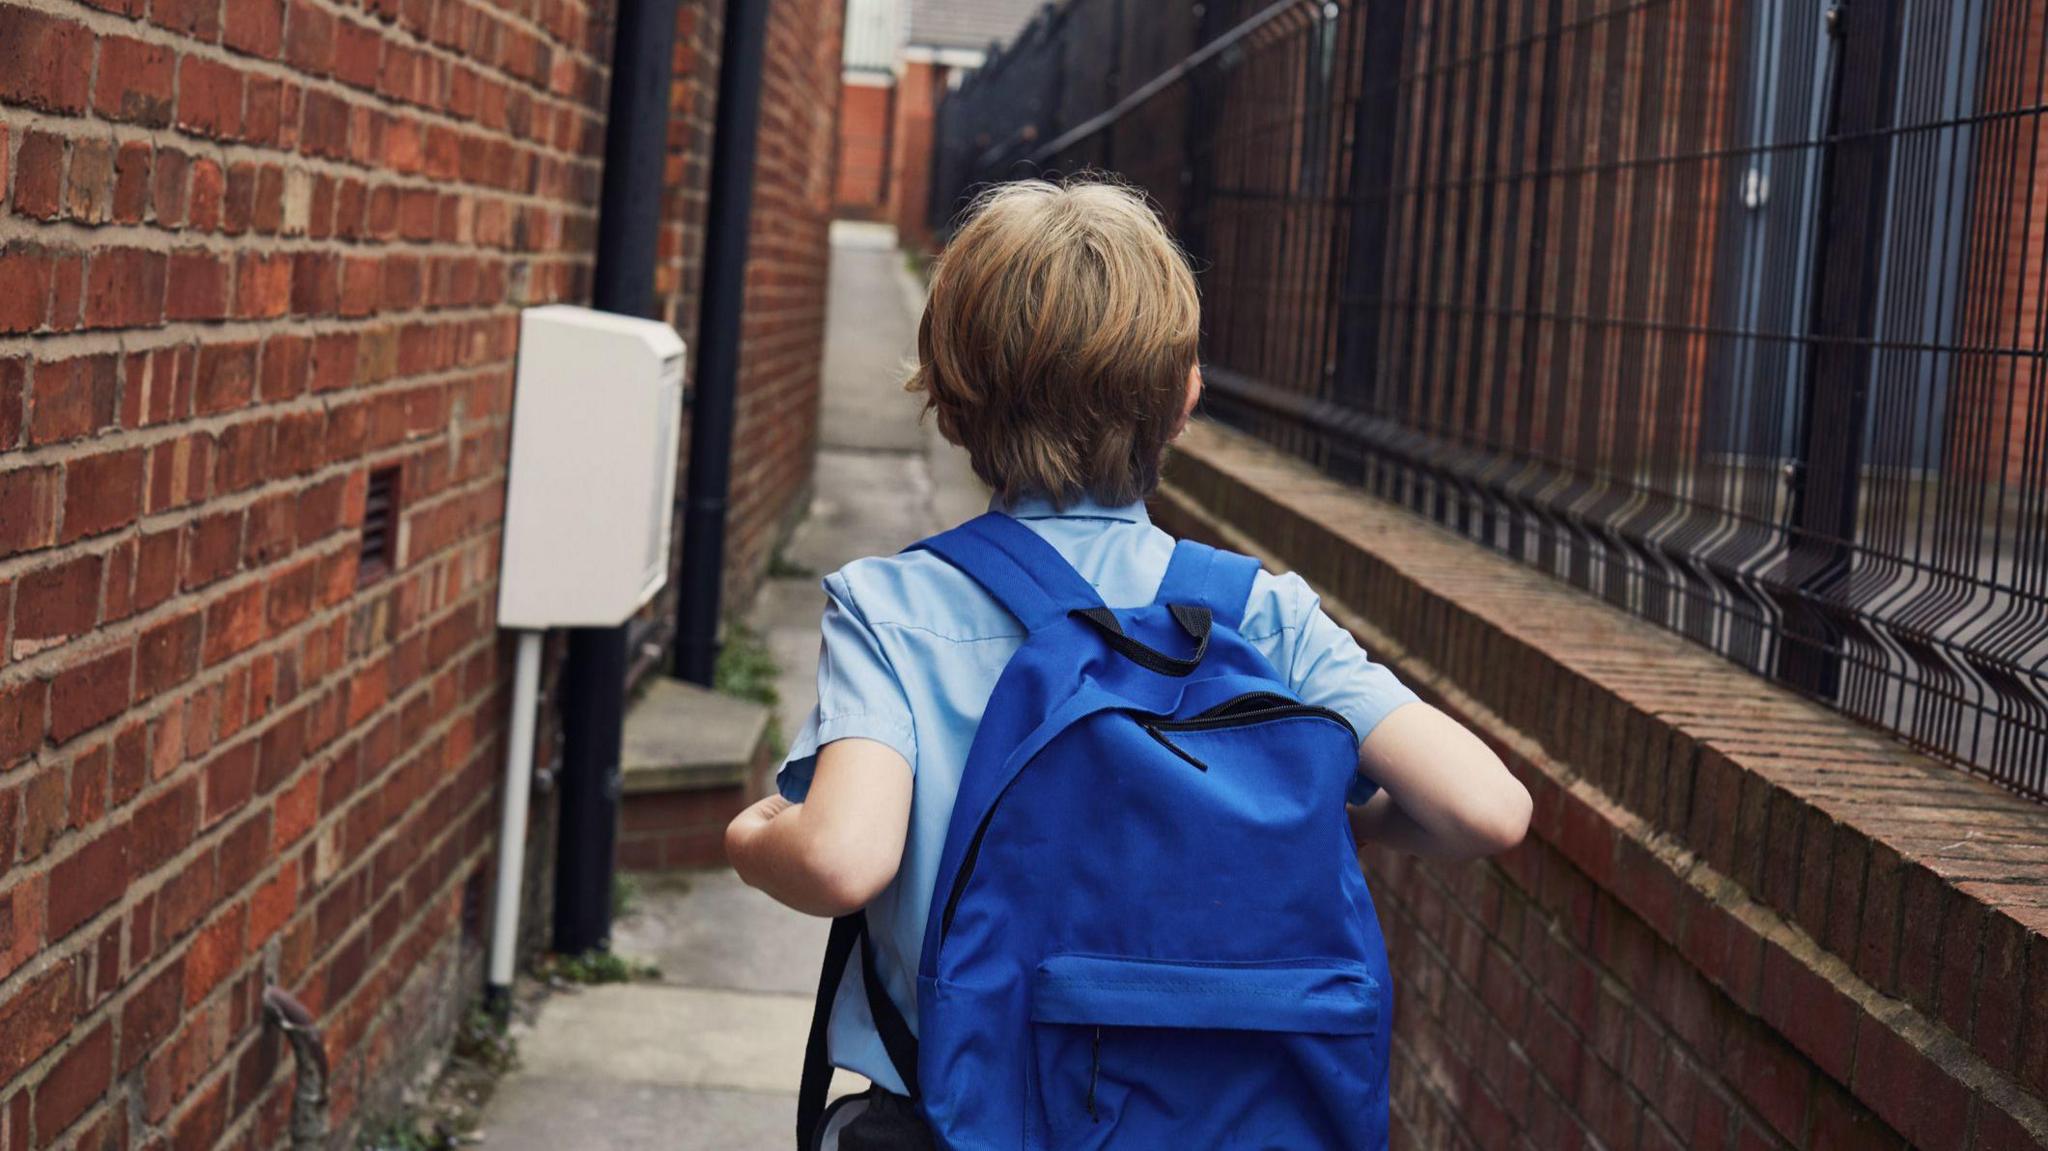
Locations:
(1094, 1068)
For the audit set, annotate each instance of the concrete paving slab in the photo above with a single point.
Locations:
(679, 1036)
(707, 929)
(571, 1115)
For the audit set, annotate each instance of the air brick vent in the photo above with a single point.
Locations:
(379, 550)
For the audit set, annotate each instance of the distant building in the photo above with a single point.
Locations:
(899, 58)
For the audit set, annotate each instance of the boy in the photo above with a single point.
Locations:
(1058, 347)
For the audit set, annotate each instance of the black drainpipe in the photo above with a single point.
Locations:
(718, 337)
(594, 677)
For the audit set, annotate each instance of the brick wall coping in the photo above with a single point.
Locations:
(1883, 912)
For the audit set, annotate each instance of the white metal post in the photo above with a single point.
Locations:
(512, 827)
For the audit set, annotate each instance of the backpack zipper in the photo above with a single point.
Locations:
(1094, 1071)
(1232, 715)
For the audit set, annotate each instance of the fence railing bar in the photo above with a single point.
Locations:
(1146, 91)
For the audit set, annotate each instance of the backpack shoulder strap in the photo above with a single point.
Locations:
(849, 932)
(1028, 576)
(1210, 577)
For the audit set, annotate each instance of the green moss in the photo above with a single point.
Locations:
(593, 967)
(745, 667)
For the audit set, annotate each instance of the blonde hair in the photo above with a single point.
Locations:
(1057, 341)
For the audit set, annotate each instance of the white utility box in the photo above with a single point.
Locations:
(595, 416)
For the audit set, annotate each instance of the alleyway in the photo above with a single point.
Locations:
(708, 1056)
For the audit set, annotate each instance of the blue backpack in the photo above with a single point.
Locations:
(1149, 928)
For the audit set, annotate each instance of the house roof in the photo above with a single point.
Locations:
(967, 23)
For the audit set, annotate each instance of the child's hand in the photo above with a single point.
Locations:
(841, 846)
(750, 822)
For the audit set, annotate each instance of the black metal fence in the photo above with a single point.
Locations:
(1730, 313)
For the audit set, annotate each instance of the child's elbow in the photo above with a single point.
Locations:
(1500, 823)
(845, 878)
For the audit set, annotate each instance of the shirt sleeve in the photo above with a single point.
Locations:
(1327, 668)
(859, 695)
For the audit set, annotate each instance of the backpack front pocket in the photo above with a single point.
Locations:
(1152, 1053)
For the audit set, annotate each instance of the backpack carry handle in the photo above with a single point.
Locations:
(1193, 619)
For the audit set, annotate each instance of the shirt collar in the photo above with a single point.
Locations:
(1035, 507)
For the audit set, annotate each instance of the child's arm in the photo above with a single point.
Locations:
(838, 849)
(1443, 792)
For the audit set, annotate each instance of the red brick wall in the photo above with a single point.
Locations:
(783, 330)
(251, 250)
(865, 109)
(918, 90)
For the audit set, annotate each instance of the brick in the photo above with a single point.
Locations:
(241, 457)
(74, 1084)
(152, 1014)
(216, 951)
(31, 269)
(357, 54)
(208, 190)
(87, 695)
(89, 786)
(164, 826)
(28, 509)
(230, 782)
(56, 603)
(171, 187)
(102, 493)
(213, 548)
(156, 568)
(234, 624)
(135, 81)
(272, 113)
(88, 881)
(73, 398)
(263, 285)
(132, 182)
(13, 392)
(199, 19)
(89, 185)
(255, 27)
(24, 709)
(209, 98)
(309, 39)
(227, 377)
(167, 655)
(124, 288)
(38, 1013)
(45, 62)
(274, 904)
(39, 186)
(67, 291)
(198, 285)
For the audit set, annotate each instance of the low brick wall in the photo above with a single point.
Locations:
(670, 830)
(1740, 920)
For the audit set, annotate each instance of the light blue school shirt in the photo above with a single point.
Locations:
(912, 649)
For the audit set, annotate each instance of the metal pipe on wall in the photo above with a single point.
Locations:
(718, 337)
(594, 675)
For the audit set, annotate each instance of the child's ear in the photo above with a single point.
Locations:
(1187, 409)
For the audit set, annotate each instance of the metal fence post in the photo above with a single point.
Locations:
(1825, 473)
(1375, 125)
